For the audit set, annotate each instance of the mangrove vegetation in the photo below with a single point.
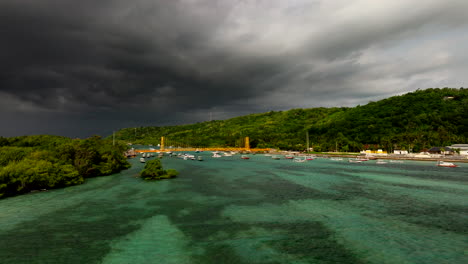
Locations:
(154, 171)
(30, 163)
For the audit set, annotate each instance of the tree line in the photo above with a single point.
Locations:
(30, 163)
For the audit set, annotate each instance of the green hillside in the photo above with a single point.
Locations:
(417, 120)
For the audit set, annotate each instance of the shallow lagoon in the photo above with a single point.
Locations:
(229, 210)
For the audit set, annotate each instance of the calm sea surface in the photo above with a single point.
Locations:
(229, 210)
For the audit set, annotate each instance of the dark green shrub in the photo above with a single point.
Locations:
(154, 171)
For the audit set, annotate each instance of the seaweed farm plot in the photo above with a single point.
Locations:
(260, 210)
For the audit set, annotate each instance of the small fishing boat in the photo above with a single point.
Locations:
(381, 162)
(142, 160)
(355, 160)
(245, 157)
(441, 163)
(288, 156)
(309, 157)
(216, 155)
(200, 158)
(336, 158)
(275, 157)
(299, 160)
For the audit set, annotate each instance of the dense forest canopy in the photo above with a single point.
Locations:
(30, 163)
(413, 121)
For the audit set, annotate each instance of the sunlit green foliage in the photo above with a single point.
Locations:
(10, 154)
(416, 121)
(154, 171)
(45, 162)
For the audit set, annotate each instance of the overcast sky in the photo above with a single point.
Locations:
(78, 68)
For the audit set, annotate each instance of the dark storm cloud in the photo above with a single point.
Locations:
(146, 62)
(90, 56)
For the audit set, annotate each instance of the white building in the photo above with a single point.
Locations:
(400, 152)
(462, 147)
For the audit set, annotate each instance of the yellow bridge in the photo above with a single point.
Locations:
(245, 148)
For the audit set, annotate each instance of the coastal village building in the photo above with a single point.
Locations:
(463, 148)
(400, 152)
(441, 150)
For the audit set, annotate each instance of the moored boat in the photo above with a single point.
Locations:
(142, 160)
(441, 163)
(245, 157)
(299, 160)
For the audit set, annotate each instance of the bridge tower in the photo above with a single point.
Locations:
(247, 143)
(162, 143)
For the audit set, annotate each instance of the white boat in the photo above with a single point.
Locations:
(200, 158)
(336, 158)
(441, 163)
(189, 157)
(310, 157)
(143, 155)
(142, 160)
(245, 157)
(381, 162)
(226, 154)
(355, 161)
(275, 157)
(216, 155)
(299, 160)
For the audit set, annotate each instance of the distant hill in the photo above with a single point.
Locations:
(417, 120)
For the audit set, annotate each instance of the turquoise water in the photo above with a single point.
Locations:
(229, 210)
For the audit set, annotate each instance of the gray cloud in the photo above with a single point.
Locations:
(114, 63)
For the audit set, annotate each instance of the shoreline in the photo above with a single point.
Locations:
(388, 157)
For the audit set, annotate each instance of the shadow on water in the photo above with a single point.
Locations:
(78, 234)
(311, 242)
